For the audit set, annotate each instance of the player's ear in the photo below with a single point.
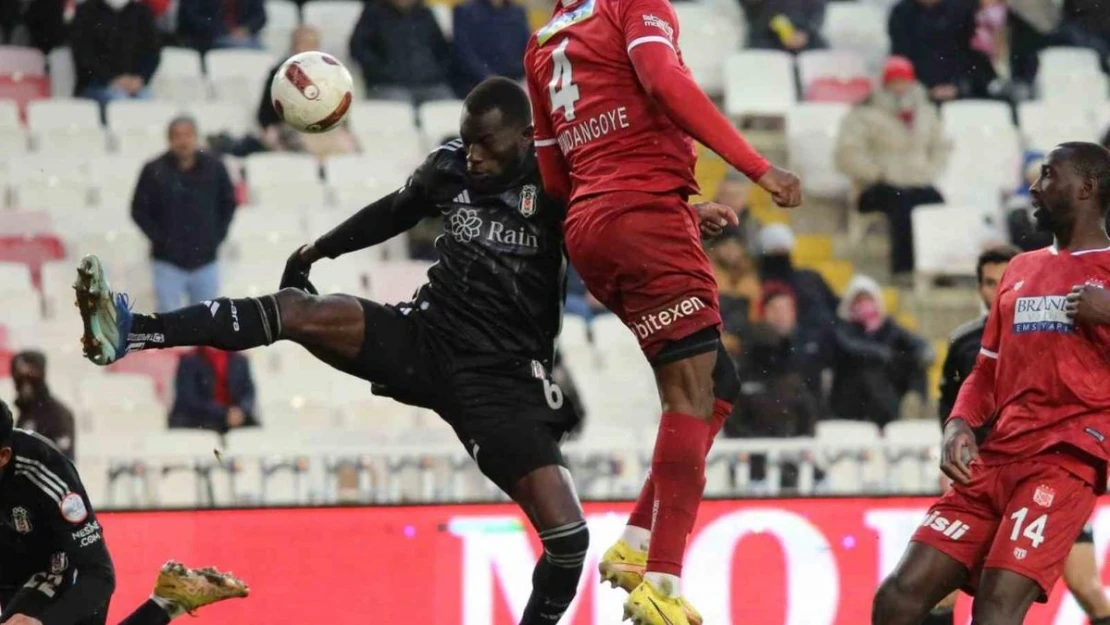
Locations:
(5, 456)
(529, 132)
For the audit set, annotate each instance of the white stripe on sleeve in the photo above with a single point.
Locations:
(545, 143)
(650, 39)
(988, 353)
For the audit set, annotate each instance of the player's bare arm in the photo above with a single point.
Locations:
(1088, 304)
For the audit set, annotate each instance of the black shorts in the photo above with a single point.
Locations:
(1087, 535)
(506, 410)
(31, 601)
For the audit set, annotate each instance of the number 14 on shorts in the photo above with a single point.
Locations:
(1033, 530)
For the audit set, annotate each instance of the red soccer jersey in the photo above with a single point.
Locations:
(591, 104)
(1051, 377)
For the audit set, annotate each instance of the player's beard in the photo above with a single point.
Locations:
(1045, 221)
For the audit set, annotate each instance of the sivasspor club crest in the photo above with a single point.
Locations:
(528, 200)
(21, 520)
(1043, 496)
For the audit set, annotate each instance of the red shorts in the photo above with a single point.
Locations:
(640, 255)
(1022, 517)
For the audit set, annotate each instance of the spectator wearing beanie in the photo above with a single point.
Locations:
(893, 148)
(738, 286)
(937, 35)
(39, 410)
(115, 49)
(815, 301)
(489, 40)
(207, 24)
(402, 52)
(214, 391)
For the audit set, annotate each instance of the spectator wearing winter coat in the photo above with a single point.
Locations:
(213, 391)
(893, 149)
(936, 36)
(489, 40)
(115, 49)
(402, 52)
(790, 25)
(207, 24)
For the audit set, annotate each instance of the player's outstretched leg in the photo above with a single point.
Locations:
(1082, 579)
(921, 580)
(181, 590)
(624, 563)
(1003, 598)
(332, 326)
(548, 497)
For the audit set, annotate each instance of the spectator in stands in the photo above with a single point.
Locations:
(490, 37)
(402, 52)
(738, 286)
(184, 202)
(776, 400)
(815, 301)
(893, 148)
(936, 36)
(1033, 24)
(115, 49)
(208, 24)
(39, 411)
(790, 25)
(39, 23)
(877, 362)
(1086, 23)
(734, 192)
(213, 391)
(276, 136)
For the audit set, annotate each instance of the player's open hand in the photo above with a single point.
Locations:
(713, 218)
(297, 269)
(784, 186)
(23, 619)
(1088, 304)
(958, 451)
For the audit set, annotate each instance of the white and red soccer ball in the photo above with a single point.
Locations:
(312, 92)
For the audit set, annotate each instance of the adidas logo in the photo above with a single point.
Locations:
(463, 198)
(212, 307)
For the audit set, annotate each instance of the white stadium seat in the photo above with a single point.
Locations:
(336, 20)
(66, 126)
(15, 279)
(180, 76)
(238, 76)
(981, 166)
(704, 35)
(22, 60)
(282, 18)
(388, 129)
(811, 132)
(846, 445)
(114, 179)
(63, 73)
(140, 126)
(20, 310)
(759, 83)
(858, 27)
(356, 179)
(444, 18)
(439, 120)
(122, 402)
(975, 116)
(842, 64)
(1047, 123)
(13, 138)
(1068, 60)
(286, 180)
(947, 239)
(216, 117)
(44, 182)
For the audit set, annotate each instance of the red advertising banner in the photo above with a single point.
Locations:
(771, 562)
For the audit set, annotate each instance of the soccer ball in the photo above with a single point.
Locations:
(312, 92)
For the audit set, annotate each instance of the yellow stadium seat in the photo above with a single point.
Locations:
(890, 299)
(937, 369)
(810, 249)
(838, 273)
(906, 320)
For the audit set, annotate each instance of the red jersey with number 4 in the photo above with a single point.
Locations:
(592, 106)
(1051, 382)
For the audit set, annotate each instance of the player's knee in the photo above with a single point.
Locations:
(992, 608)
(565, 546)
(896, 602)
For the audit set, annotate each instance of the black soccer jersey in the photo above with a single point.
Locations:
(52, 551)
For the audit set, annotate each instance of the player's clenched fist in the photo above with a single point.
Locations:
(958, 451)
(1088, 304)
(784, 187)
(297, 268)
(23, 619)
(713, 218)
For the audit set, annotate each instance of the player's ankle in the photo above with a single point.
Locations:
(171, 608)
(637, 537)
(668, 585)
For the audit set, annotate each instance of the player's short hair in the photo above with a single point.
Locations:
(993, 256)
(181, 119)
(504, 95)
(1091, 160)
(7, 423)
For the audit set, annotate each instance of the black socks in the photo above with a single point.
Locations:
(228, 324)
(555, 578)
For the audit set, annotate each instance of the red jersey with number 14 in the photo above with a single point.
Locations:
(611, 134)
(1051, 383)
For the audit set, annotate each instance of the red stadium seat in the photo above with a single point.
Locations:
(160, 365)
(32, 250)
(23, 88)
(5, 360)
(851, 90)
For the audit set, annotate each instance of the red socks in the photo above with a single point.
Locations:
(678, 470)
(641, 513)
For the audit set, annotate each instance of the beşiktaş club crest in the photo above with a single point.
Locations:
(21, 520)
(528, 200)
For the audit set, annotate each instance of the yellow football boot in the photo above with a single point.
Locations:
(623, 566)
(647, 606)
(191, 589)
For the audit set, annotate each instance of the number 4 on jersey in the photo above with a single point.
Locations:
(563, 91)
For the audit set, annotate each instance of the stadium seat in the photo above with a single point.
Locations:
(57, 287)
(21, 310)
(356, 180)
(842, 90)
(23, 89)
(238, 76)
(705, 34)
(216, 117)
(759, 83)
(840, 64)
(439, 120)
(180, 76)
(1055, 61)
(256, 228)
(25, 223)
(911, 469)
(444, 18)
(15, 278)
(176, 462)
(336, 21)
(811, 132)
(848, 451)
(21, 60)
(32, 251)
(1047, 123)
(284, 179)
(114, 178)
(160, 365)
(66, 126)
(282, 18)
(947, 239)
(396, 281)
(348, 275)
(858, 27)
(984, 162)
(140, 126)
(122, 402)
(40, 181)
(63, 73)
(13, 138)
(963, 116)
